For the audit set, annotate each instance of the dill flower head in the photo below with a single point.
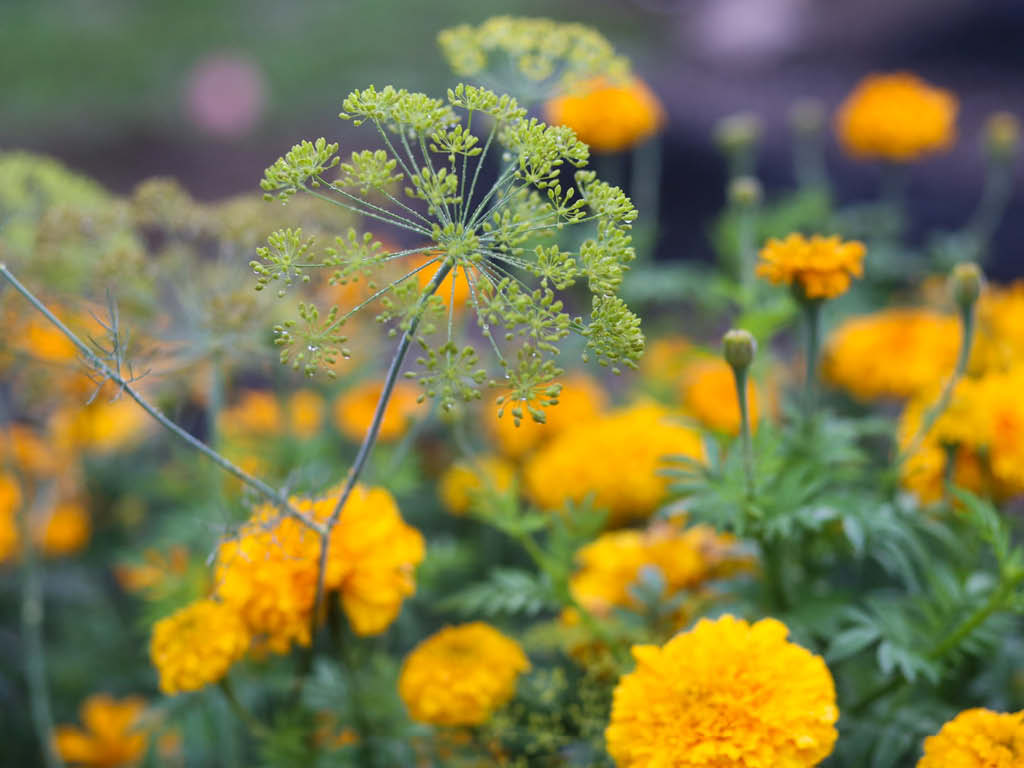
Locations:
(977, 738)
(615, 459)
(580, 399)
(256, 413)
(353, 411)
(726, 693)
(608, 116)
(10, 501)
(109, 736)
(464, 480)
(461, 675)
(708, 388)
(196, 645)
(64, 531)
(896, 117)
(819, 267)
(611, 564)
(892, 353)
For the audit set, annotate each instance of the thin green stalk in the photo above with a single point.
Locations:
(256, 728)
(645, 186)
(124, 385)
(995, 197)
(740, 375)
(995, 602)
(812, 316)
(747, 254)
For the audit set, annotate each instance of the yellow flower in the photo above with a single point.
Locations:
(608, 116)
(257, 413)
(30, 452)
(353, 411)
(110, 737)
(724, 694)
(10, 501)
(665, 359)
(461, 675)
(999, 341)
(892, 353)
(464, 480)
(581, 400)
(614, 459)
(65, 531)
(684, 558)
(821, 267)
(977, 738)
(896, 117)
(197, 645)
(104, 426)
(709, 395)
(305, 413)
(463, 291)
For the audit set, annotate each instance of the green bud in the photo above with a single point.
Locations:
(745, 192)
(807, 117)
(737, 132)
(966, 281)
(739, 348)
(1001, 138)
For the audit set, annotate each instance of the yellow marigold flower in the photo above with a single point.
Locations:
(581, 400)
(305, 413)
(608, 116)
(892, 353)
(103, 426)
(665, 359)
(977, 738)
(709, 395)
(589, 460)
(821, 267)
(463, 480)
(65, 531)
(462, 288)
(726, 693)
(10, 501)
(197, 645)
(30, 452)
(896, 117)
(110, 736)
(461, 675)
(999, 341)
(256, 413)
(615, 561)
(353, 411)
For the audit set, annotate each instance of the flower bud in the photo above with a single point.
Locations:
(966, 281)
(739, 348)
(807, 117)
(745, 192)
(1002, 135)
(737, 132)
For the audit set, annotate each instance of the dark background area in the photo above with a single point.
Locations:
(211, 92)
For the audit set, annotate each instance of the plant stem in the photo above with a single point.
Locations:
(995, 601)
(812, 316)
(124, 385)
(258, 729)
(740, 376)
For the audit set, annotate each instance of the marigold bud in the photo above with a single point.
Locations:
(966, 281)
(739, 348)
(737, 132)
(1002, 135)
(807, 117)
(745, 192)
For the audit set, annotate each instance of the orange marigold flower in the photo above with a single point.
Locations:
(665, 359)
(103, 426)
(821, 267)
(305, 413)
(65, 531)
(896, 117)
(197, 645)
(892, 353)
(110, 736)
(256, 413)
(353, 411)
(461, 675)
(608, 116)
(464, 291)
(10, 501)
(977, 738)
(464, 480)
(999, 341)
(726, 693)
(709, 395)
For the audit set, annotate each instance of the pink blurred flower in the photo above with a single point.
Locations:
(225, 95)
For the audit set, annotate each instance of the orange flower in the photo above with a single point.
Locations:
(110, 737)
(65, 531)
(821, 267)
(353, 411)
(608, 116)
(709, 394)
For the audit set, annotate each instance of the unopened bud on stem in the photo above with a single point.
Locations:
(745, 192)
(739, 348)
(1002, 136)
(966, 281)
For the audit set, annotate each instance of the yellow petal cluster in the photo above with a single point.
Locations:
(109, 736)
(104, 425)
(708, 389)
(999, 341)
(614, 459)
(725, 694)
(821, 267)
(353, 411)
(581, 400)
(608, 116)
(305, 413)
(256, 413)
(268, 573)
(197, 645)
(684, 558)
(896, 117)
(64, 531)
(977, 738)
(461, 675)
(892, 353)
(462, 481)
(10, 502)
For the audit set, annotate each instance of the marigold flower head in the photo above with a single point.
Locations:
(581, 400)
(977, 738)
(305, 413)
(103, 426)
(256, 413)
(709, 395)
(665, 359)
(726, 693)
(892, 353)
(462, 481)
(30, 452)
(353, 411)
(197, 645)
(896, 117)
(461, 675)
(462, 291)
(588, 460)
(999, 340)
(10, 501)
(820, 267)
(109, 736)
(64, 531)
(608, 116)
